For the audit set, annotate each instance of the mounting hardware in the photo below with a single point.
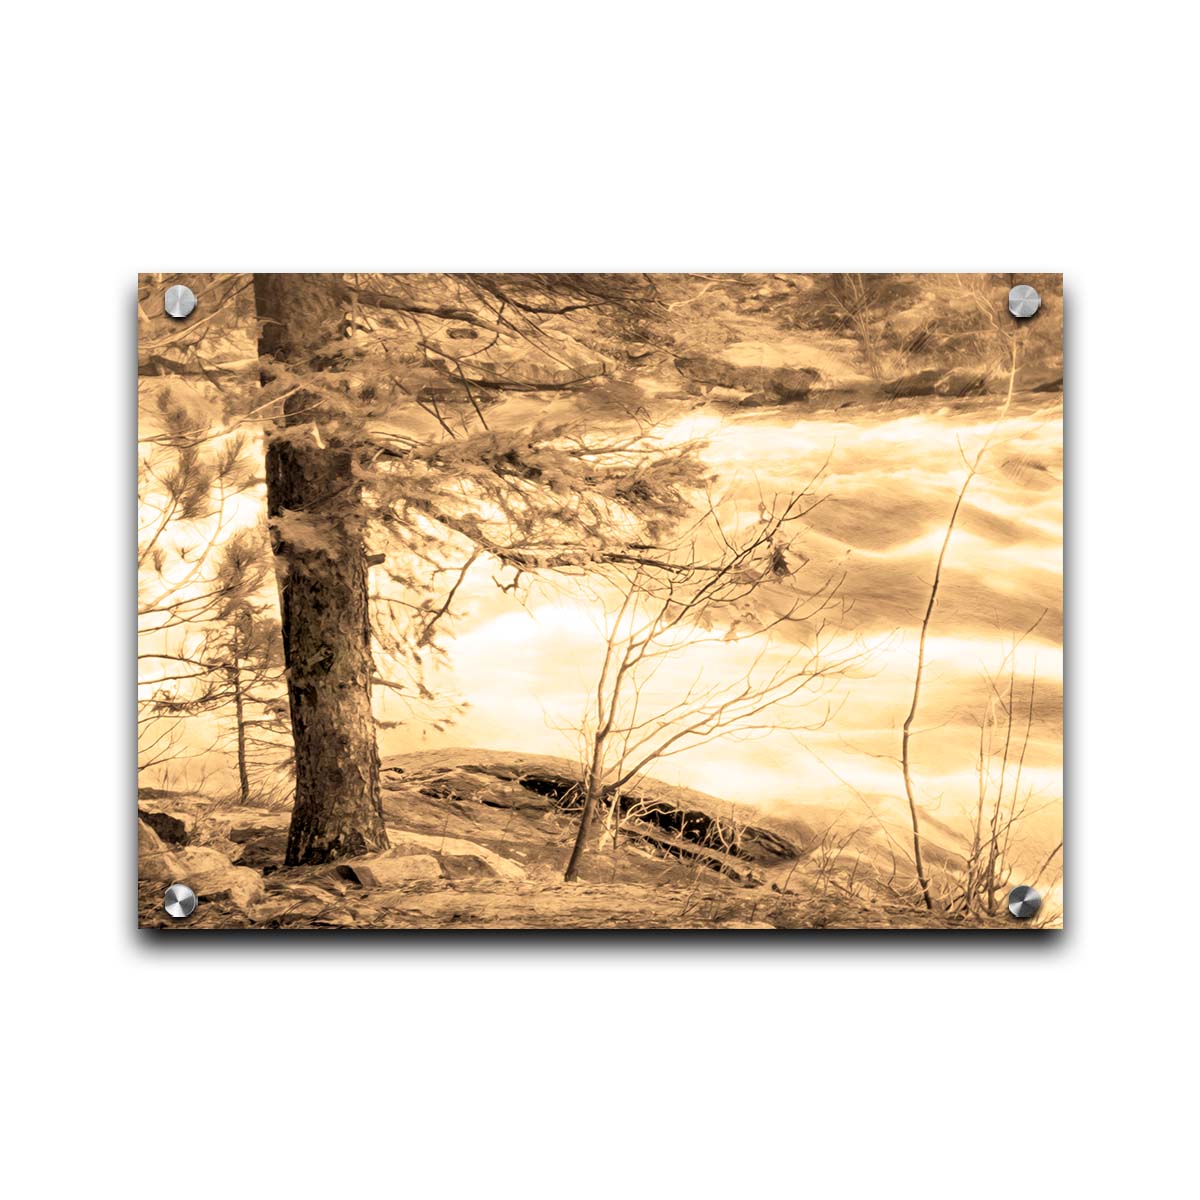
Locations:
(180, 901)
(179, 302)
(1023, 902)
(1023, 301)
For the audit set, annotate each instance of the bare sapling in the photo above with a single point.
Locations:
(973, 466)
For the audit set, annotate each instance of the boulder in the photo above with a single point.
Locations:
(211, 875)
(156, 862)
(148, 841)
(180, 827)
(389, 868)
(203, 860)
(169, 827)
(459, 859)
(496, 789)
(218, 834)
(208, 872)
(777, 385)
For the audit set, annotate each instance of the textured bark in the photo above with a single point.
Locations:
(323, 591)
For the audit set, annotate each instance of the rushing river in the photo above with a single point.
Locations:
(889, 484)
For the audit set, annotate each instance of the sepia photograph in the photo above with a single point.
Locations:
(600, 601)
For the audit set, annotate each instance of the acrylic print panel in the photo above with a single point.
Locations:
(599, 601)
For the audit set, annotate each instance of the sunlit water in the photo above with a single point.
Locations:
(526, 665)
(889, 485)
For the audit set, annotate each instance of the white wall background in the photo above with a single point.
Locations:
(220, 136)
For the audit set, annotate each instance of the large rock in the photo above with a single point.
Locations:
(216, 833)
(496, 788)
(170, 827)
(390, 868)
(213, 877)
(459, 859)
(156, 862)
(453, 789)
(207, 871)
(776, 385)
(193, 827)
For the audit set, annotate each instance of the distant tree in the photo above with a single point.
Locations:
(228, 665)
(188, 485)
(246, 658)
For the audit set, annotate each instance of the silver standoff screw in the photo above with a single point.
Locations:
(179, 302)
(1023, 902)
(1023, 301)
(180, 901)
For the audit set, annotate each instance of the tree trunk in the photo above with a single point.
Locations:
(317, 535)
(239, 713)
(591, 798)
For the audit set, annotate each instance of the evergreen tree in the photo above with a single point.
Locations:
(228, 665)
(392, 435)
(190, 575)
